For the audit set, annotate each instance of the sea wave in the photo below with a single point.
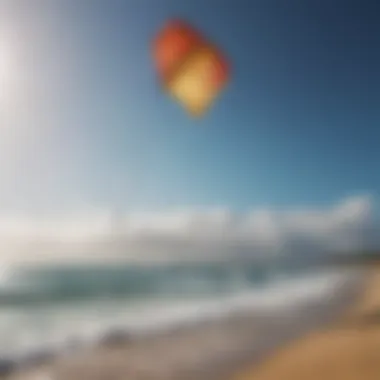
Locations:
(55, 326)
(44, 286)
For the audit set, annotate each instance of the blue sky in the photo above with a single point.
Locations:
(85, 123)
(287, 159)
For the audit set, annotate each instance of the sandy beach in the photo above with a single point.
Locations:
(347, 350)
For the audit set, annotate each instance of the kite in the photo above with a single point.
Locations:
(190, 68)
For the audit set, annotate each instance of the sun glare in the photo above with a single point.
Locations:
(5, 69)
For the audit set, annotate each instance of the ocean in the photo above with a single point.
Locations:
(54, 307)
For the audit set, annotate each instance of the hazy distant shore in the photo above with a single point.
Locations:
(205, 350)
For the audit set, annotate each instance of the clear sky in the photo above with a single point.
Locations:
(83, 121)
(287, 159)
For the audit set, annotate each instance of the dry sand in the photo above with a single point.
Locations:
(348, 350)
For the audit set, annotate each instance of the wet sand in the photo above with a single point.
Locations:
(347, 350)
(212, 350)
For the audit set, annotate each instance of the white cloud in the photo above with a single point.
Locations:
(189, 234)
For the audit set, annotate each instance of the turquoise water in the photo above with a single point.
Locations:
(49, 307)
(59, 285)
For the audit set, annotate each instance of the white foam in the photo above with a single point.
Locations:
(54, 328)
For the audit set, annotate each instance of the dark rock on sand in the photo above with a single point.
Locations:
(116, 338)
(38, 358)
(6, 366)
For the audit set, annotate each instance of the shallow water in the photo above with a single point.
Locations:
(51, 308)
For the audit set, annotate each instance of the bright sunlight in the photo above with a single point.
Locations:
(5, 69)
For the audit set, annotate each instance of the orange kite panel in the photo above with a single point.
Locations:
(172, 46)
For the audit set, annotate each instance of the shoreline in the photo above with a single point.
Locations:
(209, 350)
(348, 349)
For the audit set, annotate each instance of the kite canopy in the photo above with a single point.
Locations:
(172, 45)
(191, 69)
